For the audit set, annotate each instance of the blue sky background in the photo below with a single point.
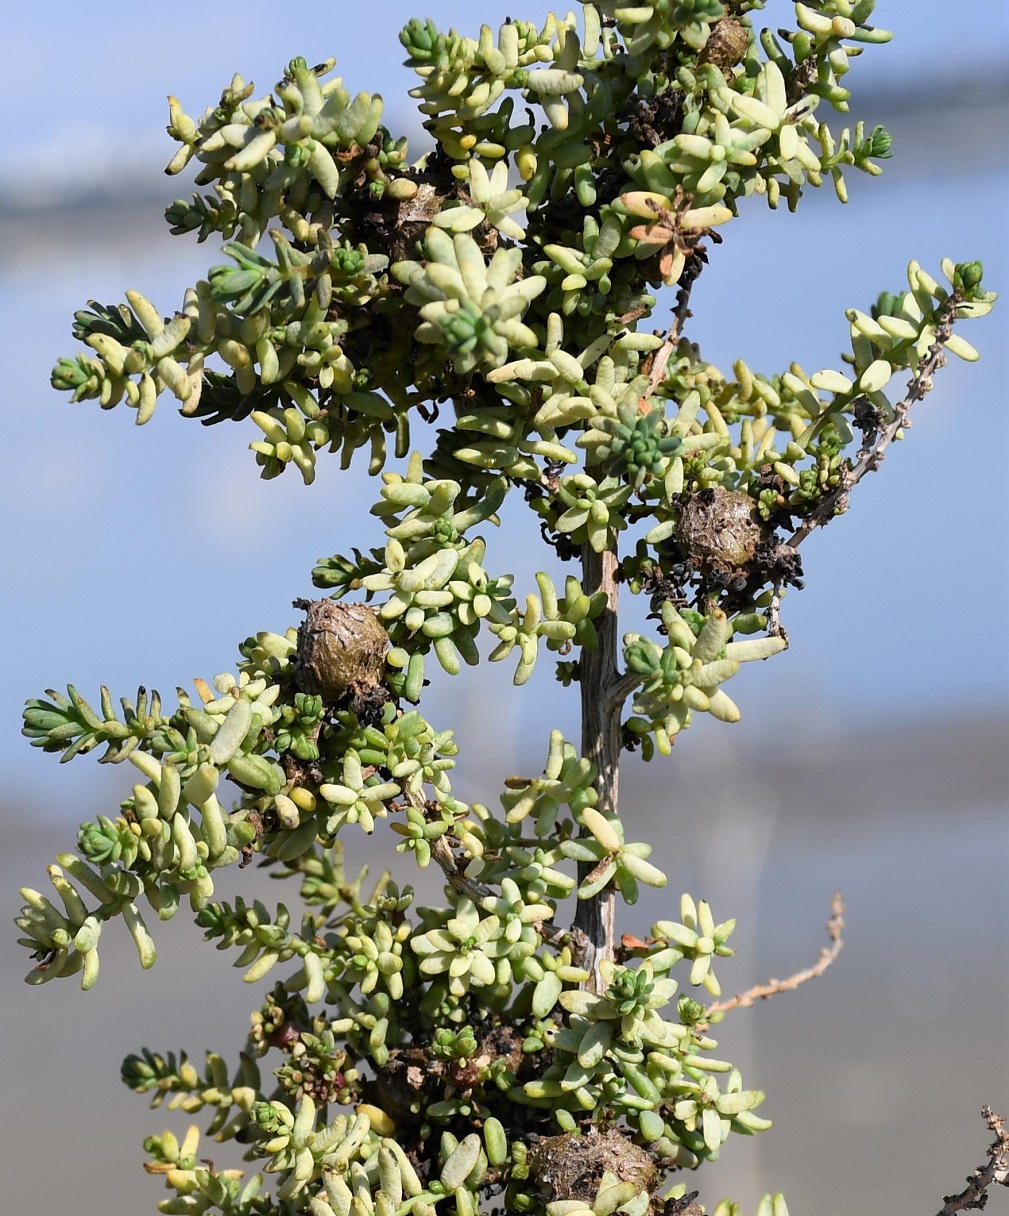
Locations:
(144, 555)
(89, 76)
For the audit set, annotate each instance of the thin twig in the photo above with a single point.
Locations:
(763, 992)
(871, 454)
(441, 852)
(657, 366)
(994, 1173)
(775, 629)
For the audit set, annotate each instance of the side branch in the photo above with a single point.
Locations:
(655, 364)
(870, 455)
(994, 1173)
(454, 871)
(764, 992)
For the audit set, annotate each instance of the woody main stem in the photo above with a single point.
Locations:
(598, 678)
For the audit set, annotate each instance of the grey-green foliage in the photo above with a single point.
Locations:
(504, 285)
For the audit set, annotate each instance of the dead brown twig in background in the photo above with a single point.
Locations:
(763, 992)
(996, 1172)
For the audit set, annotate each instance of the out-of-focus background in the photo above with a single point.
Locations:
(871, 756)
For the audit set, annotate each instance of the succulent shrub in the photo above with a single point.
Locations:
(490, 1051)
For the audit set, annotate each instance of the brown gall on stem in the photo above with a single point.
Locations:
(341, 651)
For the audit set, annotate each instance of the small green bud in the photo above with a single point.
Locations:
(967, 278)
(878, 143)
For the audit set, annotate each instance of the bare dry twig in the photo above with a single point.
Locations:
(994, 1173)
(763, 992)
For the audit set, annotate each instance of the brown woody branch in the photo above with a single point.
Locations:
(655, 364)
(870, 455)
(604, 689)
(595, 918)
(994, 1173)
(764, 992)
(455, 872)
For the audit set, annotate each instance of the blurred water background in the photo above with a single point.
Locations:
(872, 756)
